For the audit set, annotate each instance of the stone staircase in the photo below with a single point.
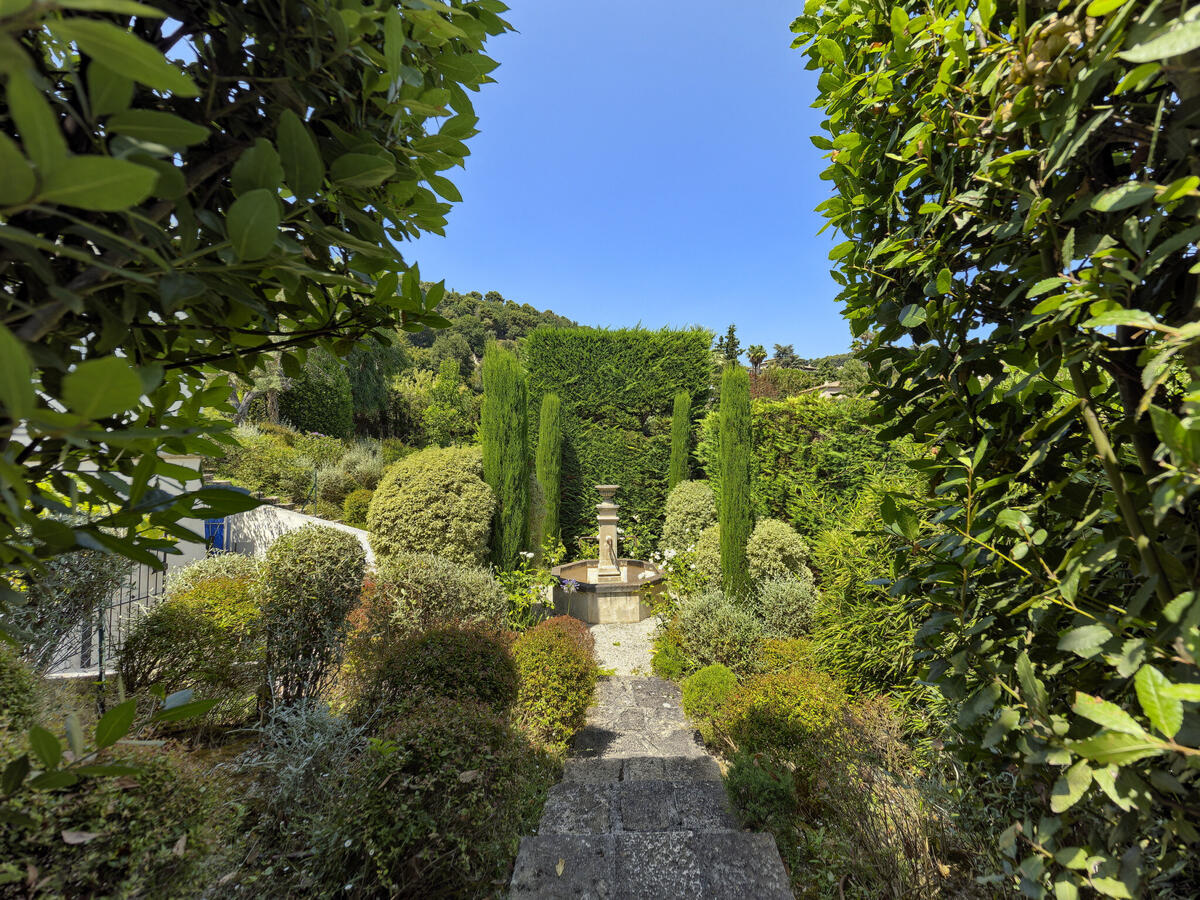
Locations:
(642, 813)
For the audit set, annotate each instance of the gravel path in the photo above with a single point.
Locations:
(625, 649)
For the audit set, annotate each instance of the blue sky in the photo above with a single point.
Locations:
(648, 161)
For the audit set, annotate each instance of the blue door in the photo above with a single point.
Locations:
(214, 534)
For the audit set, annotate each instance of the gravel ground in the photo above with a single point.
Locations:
(624, 649)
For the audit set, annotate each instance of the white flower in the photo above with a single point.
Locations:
(670, 554)
(527, 554)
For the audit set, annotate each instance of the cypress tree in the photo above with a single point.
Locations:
(503, 432)
(549, 462)
(681, 432)
(735, 478)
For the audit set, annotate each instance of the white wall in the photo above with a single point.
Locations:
(253, 531)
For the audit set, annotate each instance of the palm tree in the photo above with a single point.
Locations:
(756, 354)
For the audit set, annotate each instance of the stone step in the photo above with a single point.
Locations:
(597, 741)
(579, 807)
(674, 865)
(642, 768)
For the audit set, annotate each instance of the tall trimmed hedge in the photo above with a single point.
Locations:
(320, 399)
(549, 463)
(811, 456)
(734, 510)
(681, 439)
(503, 433)
(617, 389)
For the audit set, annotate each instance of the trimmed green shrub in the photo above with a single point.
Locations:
(453, 662)
(434, 808)
(207, 638)
(354, 509)
(319, 399)
(786, 653)
(681, 438)
(577, 630)
(691, 508)
(668, 660)
(713, 629)
(775, 550)
(17, 690)
(427, 590)
(144, 835)
(617, 389)
(503, 435)
(734, 511)
(706, 692)
(708, 554)
(266, 461)
(393, 450)
(558, 676)
(793, 710)
(312, 578)
(320, 449)
(217, 565)
(787, 606)
(434, 501)
(549, 464)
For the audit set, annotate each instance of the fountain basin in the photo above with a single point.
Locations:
(604, 602)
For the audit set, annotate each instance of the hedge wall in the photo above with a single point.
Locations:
(810, 457)
(617, 389)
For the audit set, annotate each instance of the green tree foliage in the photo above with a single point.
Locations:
(481, 318)
(549, 464)
(785, 357)
(452, 413)
(1018, 189)
(728, 346)
(617, 389)
(734, 509)
(811, 457)
(757, 354)
(681, 440)
(201, 215)
(504, 435)
(319, 399)
(370, 368)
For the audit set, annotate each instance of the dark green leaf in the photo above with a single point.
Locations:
(302, 164)
(124, 52)
(16, 376)
(108, 91)
(45, 747)
(98, 183)
(361, 170)
(159, 127)
(115, 724)
(253, 224)
(19, 182)
(37, 125)
(98, 388)
(1164, 711)
(1123, 196)
(257, 167)
(191, 710)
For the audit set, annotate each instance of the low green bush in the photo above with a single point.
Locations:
(434, 501)
(320, 449)
(705, 693)
(775, 550)
(668, 659)
(319, 399)
(393, 450)
(577, 630)
(142, 835)
(787, 605)
(354, 509)
(557, 677)
(434, 808)
(428, 590)
(312, 579)
(17, 690)
(785, 653)
(452, 662)
(715, 629)
(269, 464)
(207, 638)
(187, 578)
(795, 710)
(691, 508)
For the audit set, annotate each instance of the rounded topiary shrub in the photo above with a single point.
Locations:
(775, 549)
(557, 677)
(713, 629)
(311, 581)
(354, 509)
(150, 832)
(17, 690)
(691, 508)
(794, 710)
(705, 693)
(668, 660)
(434, 501)
(319, 399)
(708, 554)
(428, 590)
(787, 605)
(219, 565)
(453, 662)
(434, 808)
(207, 638)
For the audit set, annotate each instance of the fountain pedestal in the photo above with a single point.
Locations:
(609, 589)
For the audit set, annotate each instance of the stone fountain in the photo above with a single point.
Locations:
(611, 588)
